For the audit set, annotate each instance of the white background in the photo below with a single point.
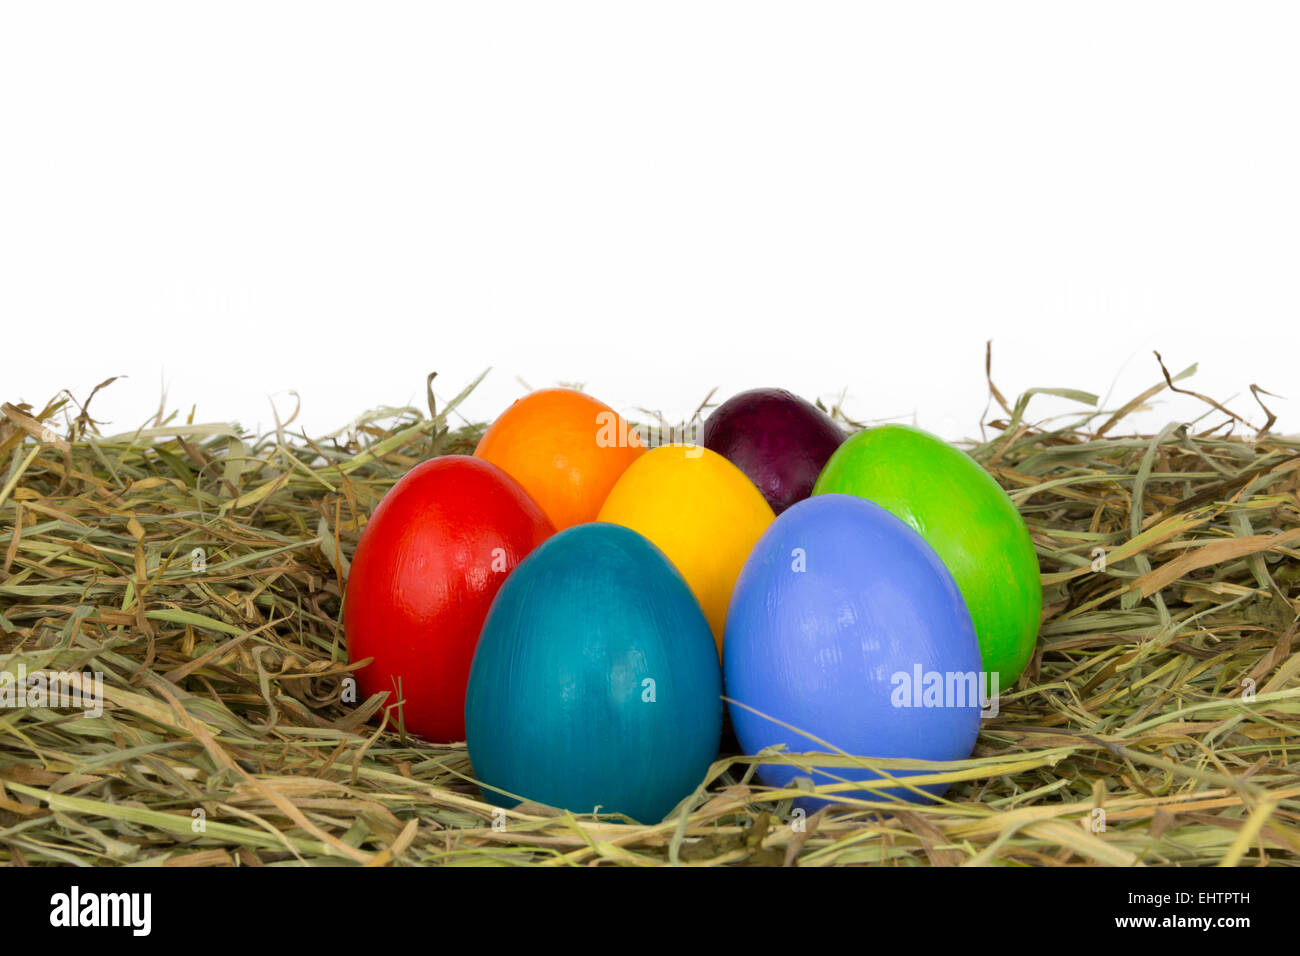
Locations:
(234, 200)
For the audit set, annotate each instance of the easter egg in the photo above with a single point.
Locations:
(567, 449)
(596, 683)
(701, 511)
(776, 438)
(961, 510)
(848, 627)
(428, 564)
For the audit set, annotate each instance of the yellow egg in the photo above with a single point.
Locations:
(700, 510)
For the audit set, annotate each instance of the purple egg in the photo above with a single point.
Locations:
(776, 438)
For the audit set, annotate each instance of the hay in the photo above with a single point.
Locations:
(1162, 702)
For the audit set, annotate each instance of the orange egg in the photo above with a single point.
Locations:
(567, 449)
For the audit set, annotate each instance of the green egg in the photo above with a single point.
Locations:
(966, 517)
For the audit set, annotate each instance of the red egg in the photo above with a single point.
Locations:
(428, 565)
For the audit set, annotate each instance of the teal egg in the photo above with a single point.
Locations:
(596, 681)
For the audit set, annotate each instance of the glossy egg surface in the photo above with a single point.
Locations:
(701, 511)
(964, 514)
(779, 440)
(596, 683)
(428, 564)
(839, 621)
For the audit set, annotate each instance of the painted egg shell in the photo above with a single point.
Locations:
(596, 682)
(701, 511)
(429, 562)
(776, 438)
(839, 623)
(961, 510)
(567, 449)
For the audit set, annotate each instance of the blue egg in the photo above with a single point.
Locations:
(596, 681)
(845, 624)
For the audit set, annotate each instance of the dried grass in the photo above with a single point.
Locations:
(223, 740)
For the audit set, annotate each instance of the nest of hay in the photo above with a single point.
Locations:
(200, 569)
